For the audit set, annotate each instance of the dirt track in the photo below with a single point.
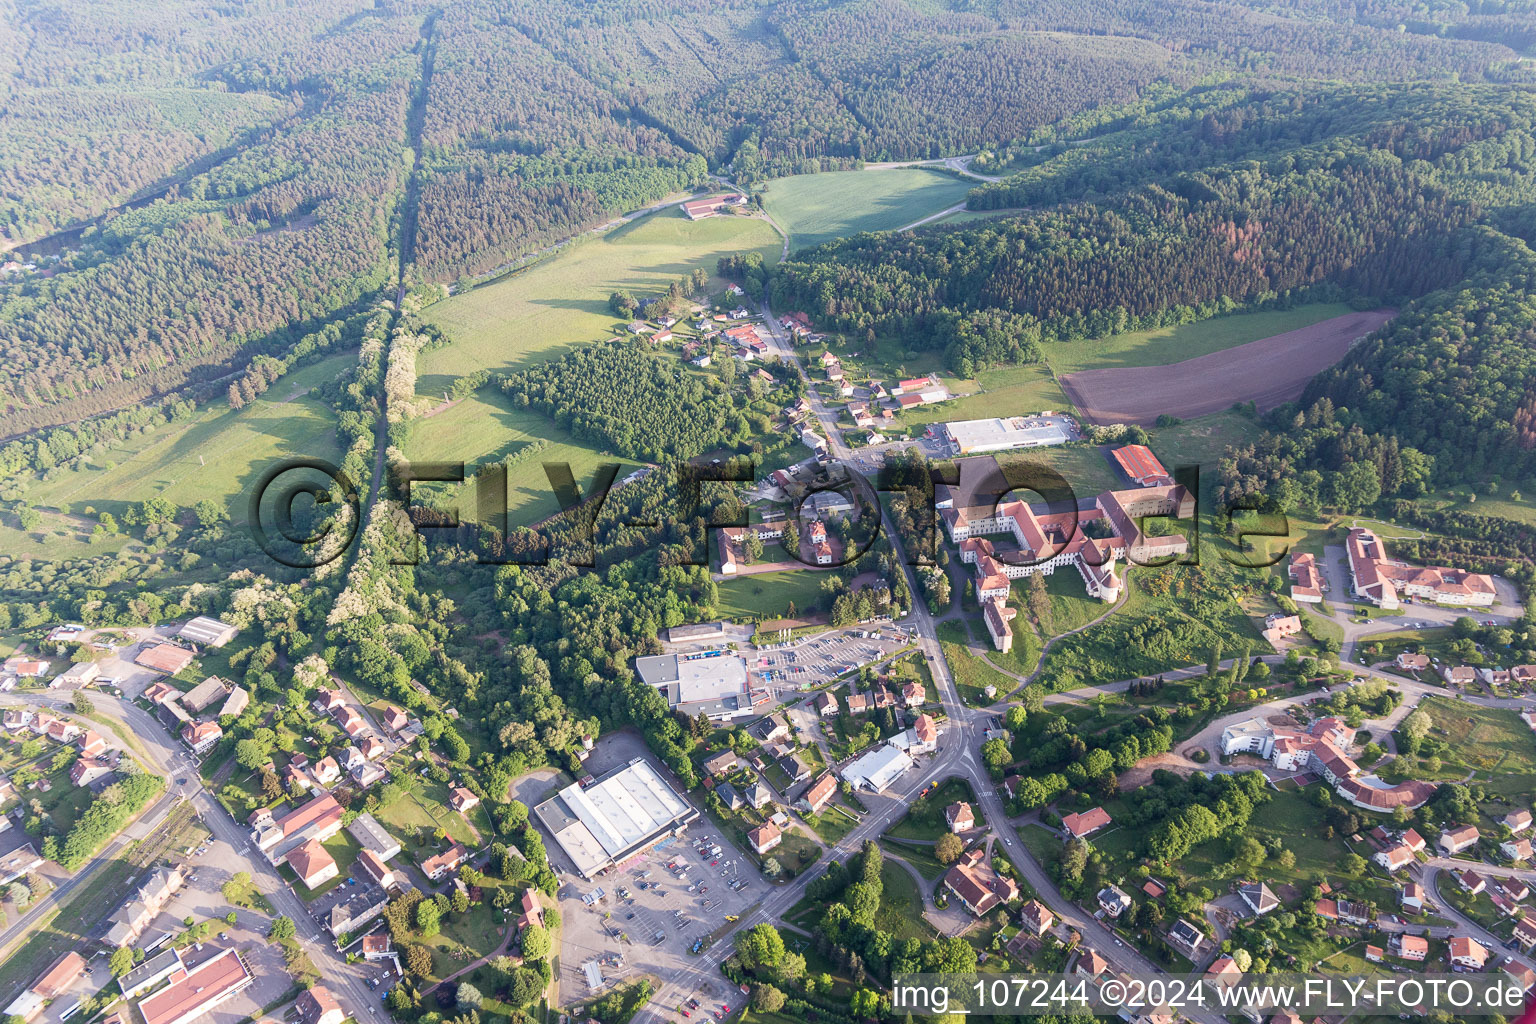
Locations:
(1268, 372)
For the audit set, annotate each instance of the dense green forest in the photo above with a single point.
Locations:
(1234, 196)
(244, 188)
(243, 177)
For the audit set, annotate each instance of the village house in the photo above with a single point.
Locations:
(1467, 953)
(201, 736)
(313, 864)
(1079, 825)
(1278, 627)
(1258, 897)
(819, 794)
(1186, 938)
(1525, 932)
(1458, 675)
(437, 867)
(1457, 838)
(1036, 918)
(960, 817)
(764, 838)
(1114, 901)
(1090, 963)
(1307, 583)
(977, 885)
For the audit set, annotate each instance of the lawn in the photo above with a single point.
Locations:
(817, 208)
(832, 824)
(1478, 501)
(901, 905)
(544, 311)
(1189, 606)
(1043, 844)
(1202, 441)
(972, 674)
(1082, 465)
(1291, 817)
(769, 594)
(424, 805)
(217, 454)
(1492, 740)
(924, 820)
(483, 428)
(1024, 656)
(1014, 391)
(1071, 607)
(920, 857)
(478, 929)
(1186, 341)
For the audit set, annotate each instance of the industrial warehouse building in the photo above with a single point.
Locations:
(624, 813)
(1000, 434)
(714, 682)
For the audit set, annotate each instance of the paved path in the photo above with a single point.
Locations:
(166, 755)
(933, 217)
(959, 740)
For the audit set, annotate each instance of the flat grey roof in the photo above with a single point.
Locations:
(168, 960)
(620, 813)
(367, 830)
(1000, 433)
(693, 677)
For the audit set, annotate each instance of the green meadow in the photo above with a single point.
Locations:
(217, 454)
(817, 208)
(544, 311)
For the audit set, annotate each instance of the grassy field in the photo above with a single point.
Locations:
(1502, 504)
(217, 454)
(1071, 607)
(924, 820)
(1200, 442)
(546, 310)
(769, 594)
(970, 216)
(972, 674)
(1013, 391)
(1491, 740)
(1083, 466)
(1186, 341)
(1291, 817)
(901, 905)
(484, 428)
(816, 208)
(919, 856)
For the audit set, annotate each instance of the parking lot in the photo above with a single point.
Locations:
(809, 663)
(683, 904)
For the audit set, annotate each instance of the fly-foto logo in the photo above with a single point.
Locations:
(305, 513)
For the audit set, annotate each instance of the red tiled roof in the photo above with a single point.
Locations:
(1141, 465)
(166, 658)
(60, 976)
(207, 983)
(1086, 822)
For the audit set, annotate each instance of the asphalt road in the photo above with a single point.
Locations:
(166, 755)
(959, 742)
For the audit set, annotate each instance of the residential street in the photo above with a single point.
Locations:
(169, 757)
